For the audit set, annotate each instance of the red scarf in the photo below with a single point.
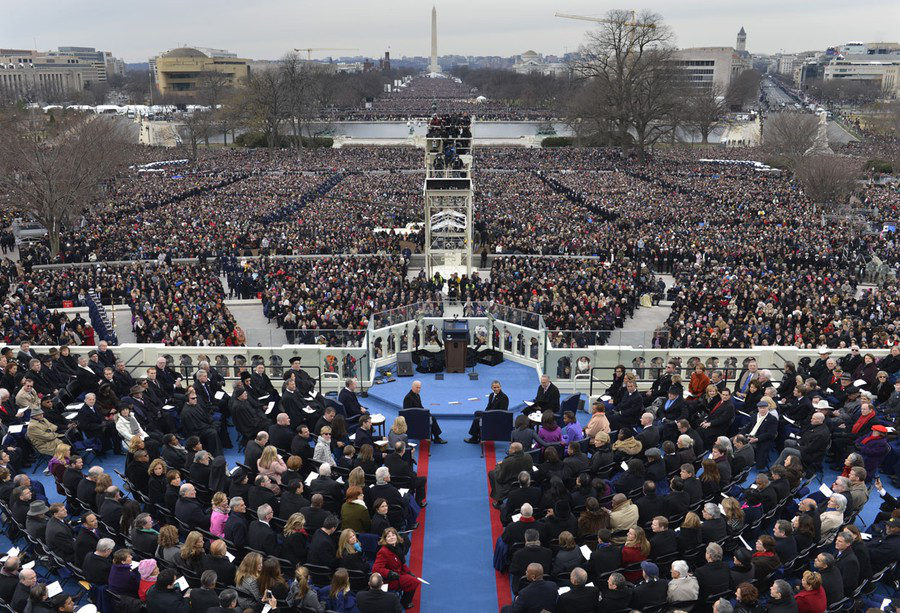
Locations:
(862, 421)
(871, 437)
(721, 402)
(526, 520)
(764, 554)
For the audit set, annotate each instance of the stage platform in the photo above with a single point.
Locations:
(457, 396)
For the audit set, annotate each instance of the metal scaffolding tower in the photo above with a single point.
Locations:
(449, 221)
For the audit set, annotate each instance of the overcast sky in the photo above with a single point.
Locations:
(266, 29)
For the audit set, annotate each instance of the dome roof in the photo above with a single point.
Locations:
(184, 52)
(530, 54)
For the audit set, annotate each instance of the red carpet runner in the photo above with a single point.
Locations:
(504, 594)
(418, 536)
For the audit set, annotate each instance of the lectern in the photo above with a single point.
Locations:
(456, 342)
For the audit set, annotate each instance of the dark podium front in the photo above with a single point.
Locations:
(456, 343)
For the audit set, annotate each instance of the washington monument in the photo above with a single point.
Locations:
(434, 66)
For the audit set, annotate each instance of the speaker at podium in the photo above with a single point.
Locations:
(456, 342)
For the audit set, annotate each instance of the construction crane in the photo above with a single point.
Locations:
(632, 23)
(309, 50)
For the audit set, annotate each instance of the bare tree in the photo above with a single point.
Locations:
(828, 180)
(630, 59)
(194, 127)
(705, 110)
(267, 103)
(743, 89)
(790, 135)
(55, 172)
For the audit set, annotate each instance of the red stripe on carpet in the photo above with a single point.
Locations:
(504, 594)
(418, 536)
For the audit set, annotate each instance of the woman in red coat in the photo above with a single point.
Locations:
(390, 565)
(811, 599)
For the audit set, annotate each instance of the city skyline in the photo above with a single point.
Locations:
(466, 28)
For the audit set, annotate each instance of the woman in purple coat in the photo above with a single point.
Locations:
(873, 448)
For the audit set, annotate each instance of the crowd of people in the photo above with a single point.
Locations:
(317, 517)
(698, 220)
(423, 96)
(701, 495)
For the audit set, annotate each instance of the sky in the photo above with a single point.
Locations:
(266, 29)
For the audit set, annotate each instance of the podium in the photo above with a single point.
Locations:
(456, 343)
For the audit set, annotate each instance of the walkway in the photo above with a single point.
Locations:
(260, 333)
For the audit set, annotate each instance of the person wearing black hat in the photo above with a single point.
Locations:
(248, 420)
(885, 549)
(674, 407)
(36, 521)
(305, 383)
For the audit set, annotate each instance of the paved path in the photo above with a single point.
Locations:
(249, 315)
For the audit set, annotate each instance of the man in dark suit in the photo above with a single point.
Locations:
(719, 419)
(606, 558)
(217, 561)
(497, 401)
(846, 561)
(581, 598)
(167, 377)
(515, 532)
(261, 493)
(292, 499)
(546, 398)
(617, 593)
(93, 423)
(189, 510)
(714, 577)
(73, 475)
(326, 485)
(254, 449)
(413, 400)
(649, 505)
(630, 408)
(661, 385)
(761, 434)
(236, 524)
(196, 420)
(832, 582)
(678, 501)
(713, 529)
(144, 538)
(374, 600)
(785, 545)
(87, 538)
(260, 535)
(507, 471)
(652, 590)
(292, 404)
(663, 541)
(674, 407)
(744, 454)
(204, 598)
(86, 380)
(537, 596)
(347, 397)
(525, 493)
(59, 536)
(280, 433)
(322, 548)
(111, 509)
(531, 553)
(814, 441)
(86, 491)
(315, 513)
(9, 577)
(364, 437)
(649, 434)
(97, 563)
(401, 470)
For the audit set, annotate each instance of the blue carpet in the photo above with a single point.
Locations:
(519, 383)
